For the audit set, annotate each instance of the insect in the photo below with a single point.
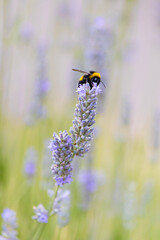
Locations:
(91, 77)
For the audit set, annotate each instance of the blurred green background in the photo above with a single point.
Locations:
(40, 42)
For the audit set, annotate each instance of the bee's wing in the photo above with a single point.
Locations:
(77, 70)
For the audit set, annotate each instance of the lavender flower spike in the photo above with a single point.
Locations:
(62, 157)
(64, 147)
(85, 112)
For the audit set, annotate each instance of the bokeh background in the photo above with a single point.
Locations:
(115, 193)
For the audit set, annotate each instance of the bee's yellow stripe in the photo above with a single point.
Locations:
(81, 78)
(96, 74)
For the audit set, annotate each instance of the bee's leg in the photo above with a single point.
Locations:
(79, 84)
(90, 83)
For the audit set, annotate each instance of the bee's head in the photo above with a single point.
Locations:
(95, 77)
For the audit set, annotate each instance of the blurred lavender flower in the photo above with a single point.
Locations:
(41, 88)
(85, 112)
(30, 163)
(50, 193)
(99, 41)
(62, 157)
(41, 214)
(9, 225)
(42, 79)
(61, 207)
(26, 31)
(129, 207)
(64, 147)
(65, 11)
(89, 181)
(129, 52)
(30, 168)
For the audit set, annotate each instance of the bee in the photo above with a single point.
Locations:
(90, 77)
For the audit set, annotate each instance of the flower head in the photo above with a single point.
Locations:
(61, 148)
(85, 112)
(41, 214)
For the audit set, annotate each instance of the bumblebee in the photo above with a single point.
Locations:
(91, 77)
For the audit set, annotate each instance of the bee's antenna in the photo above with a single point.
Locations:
(103, 84)
(77, 70)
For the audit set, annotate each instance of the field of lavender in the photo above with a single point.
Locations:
(79, 163)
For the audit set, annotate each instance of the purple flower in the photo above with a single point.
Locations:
(85, 112)
(30, 168)
(61, 180)
(99, 41)
(9, 225)
(30, 162)
(89, 180)
(62, 156)
(41, 214)
(37, 108)
(26, 31)
(64, 147)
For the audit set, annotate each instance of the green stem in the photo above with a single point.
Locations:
(40, 228)
(55, 195)
(40, 231)
(59, 234)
